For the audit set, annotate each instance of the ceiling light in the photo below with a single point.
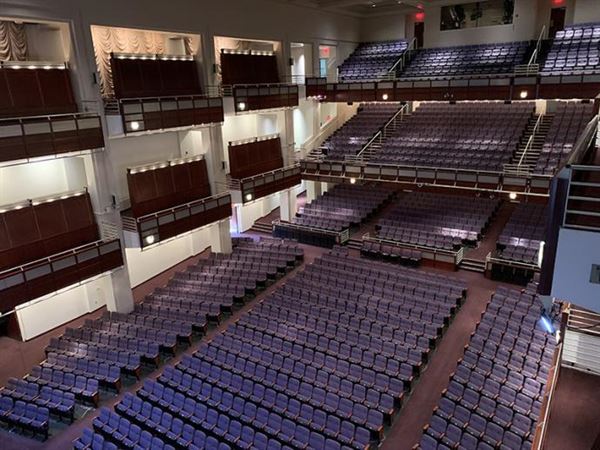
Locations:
(135, 125)
(512, 195)
(241, 106)
(149, 239)
(248, 197)
(523, 94)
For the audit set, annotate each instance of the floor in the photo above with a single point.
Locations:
(574, 425)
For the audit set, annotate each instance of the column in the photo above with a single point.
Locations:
(313, 190)
(214, 160)
(122, 299)
(220, 239)
(287, 138)
(287, 205)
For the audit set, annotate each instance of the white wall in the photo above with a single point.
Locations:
(303, 121)
(145, 264)
(586, 11)
(40, 179)
(577, 251)
(383, 28)
(248, 214)
(138, 150)
(46, 313)
(526, 25)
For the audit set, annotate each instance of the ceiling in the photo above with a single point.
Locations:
(363, 8)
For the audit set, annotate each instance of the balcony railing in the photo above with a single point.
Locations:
(158, 113)
(310, 235)
(267, 183)
(155, 227)
(37, 278)
(25, 138)
(264, 96)
(446, 177)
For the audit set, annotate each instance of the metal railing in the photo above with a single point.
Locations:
(251, 182)
(340, 237)
(530, 140)
(382, 133)
(538, 46)
(585, 141)
(493, 258)
(401, 62)
(437, 254)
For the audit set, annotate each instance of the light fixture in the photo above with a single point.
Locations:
(385, 96)
(135, 125)
(523, 94)
(541, 254)
(512, 195)
(352, 180)
(242, 106)
(149, 239)
(547, 324)
(248, 197)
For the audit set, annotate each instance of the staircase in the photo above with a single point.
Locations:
(472, 265)
(530, 145)
(355, 244)
(373, 147)
(260, 227)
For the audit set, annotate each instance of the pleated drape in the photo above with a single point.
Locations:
(119, 40)
(13, 41)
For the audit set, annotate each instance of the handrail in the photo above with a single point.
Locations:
(456, 254)
(542, 426)
(306, 227)
(583, 143)
(538, 44)
(382, 130)
(402, 57)
(530, 140)
(264, 174)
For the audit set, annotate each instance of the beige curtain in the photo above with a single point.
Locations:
(120, 40)
(13, 41)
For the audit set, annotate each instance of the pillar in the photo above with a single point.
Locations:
(122, 299)
(287, 138)
(313, 190)
(287, 205)
(214, 160)
(220, 239)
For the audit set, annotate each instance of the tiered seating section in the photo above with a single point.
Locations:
(349, 139)
(575, 51)
(467, 60)
(371, 61)
(568, 123)
(520, 239)
(475, 136)
(440, 221)
(98, 354)
(342, 207)
(494, 397)
(323, 362)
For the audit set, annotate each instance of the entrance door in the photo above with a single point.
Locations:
(419, 31)
(557, 21)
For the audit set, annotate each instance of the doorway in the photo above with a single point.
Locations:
(419, 32)
(557, 21)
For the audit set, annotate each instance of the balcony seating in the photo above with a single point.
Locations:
(472, 136)
(494, 397)
(520, 239)
(575, 51)
(351, 137)
(323, 362)
(371, 61)
(342, 207)
(569, 121)
(467, 60)
(441, 221)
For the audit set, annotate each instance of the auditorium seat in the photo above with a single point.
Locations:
(442, 221)
(471, 135)
(521, 237)
(342, 207)
(351, 137)
(575, 51)
(494, 397)
(371, 61)
(467, 60)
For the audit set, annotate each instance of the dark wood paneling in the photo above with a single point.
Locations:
(250, 159)
(159, 189)
(248, 69)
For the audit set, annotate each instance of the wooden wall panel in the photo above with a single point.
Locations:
(155, 190)
(250, 159)
(248, 69)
